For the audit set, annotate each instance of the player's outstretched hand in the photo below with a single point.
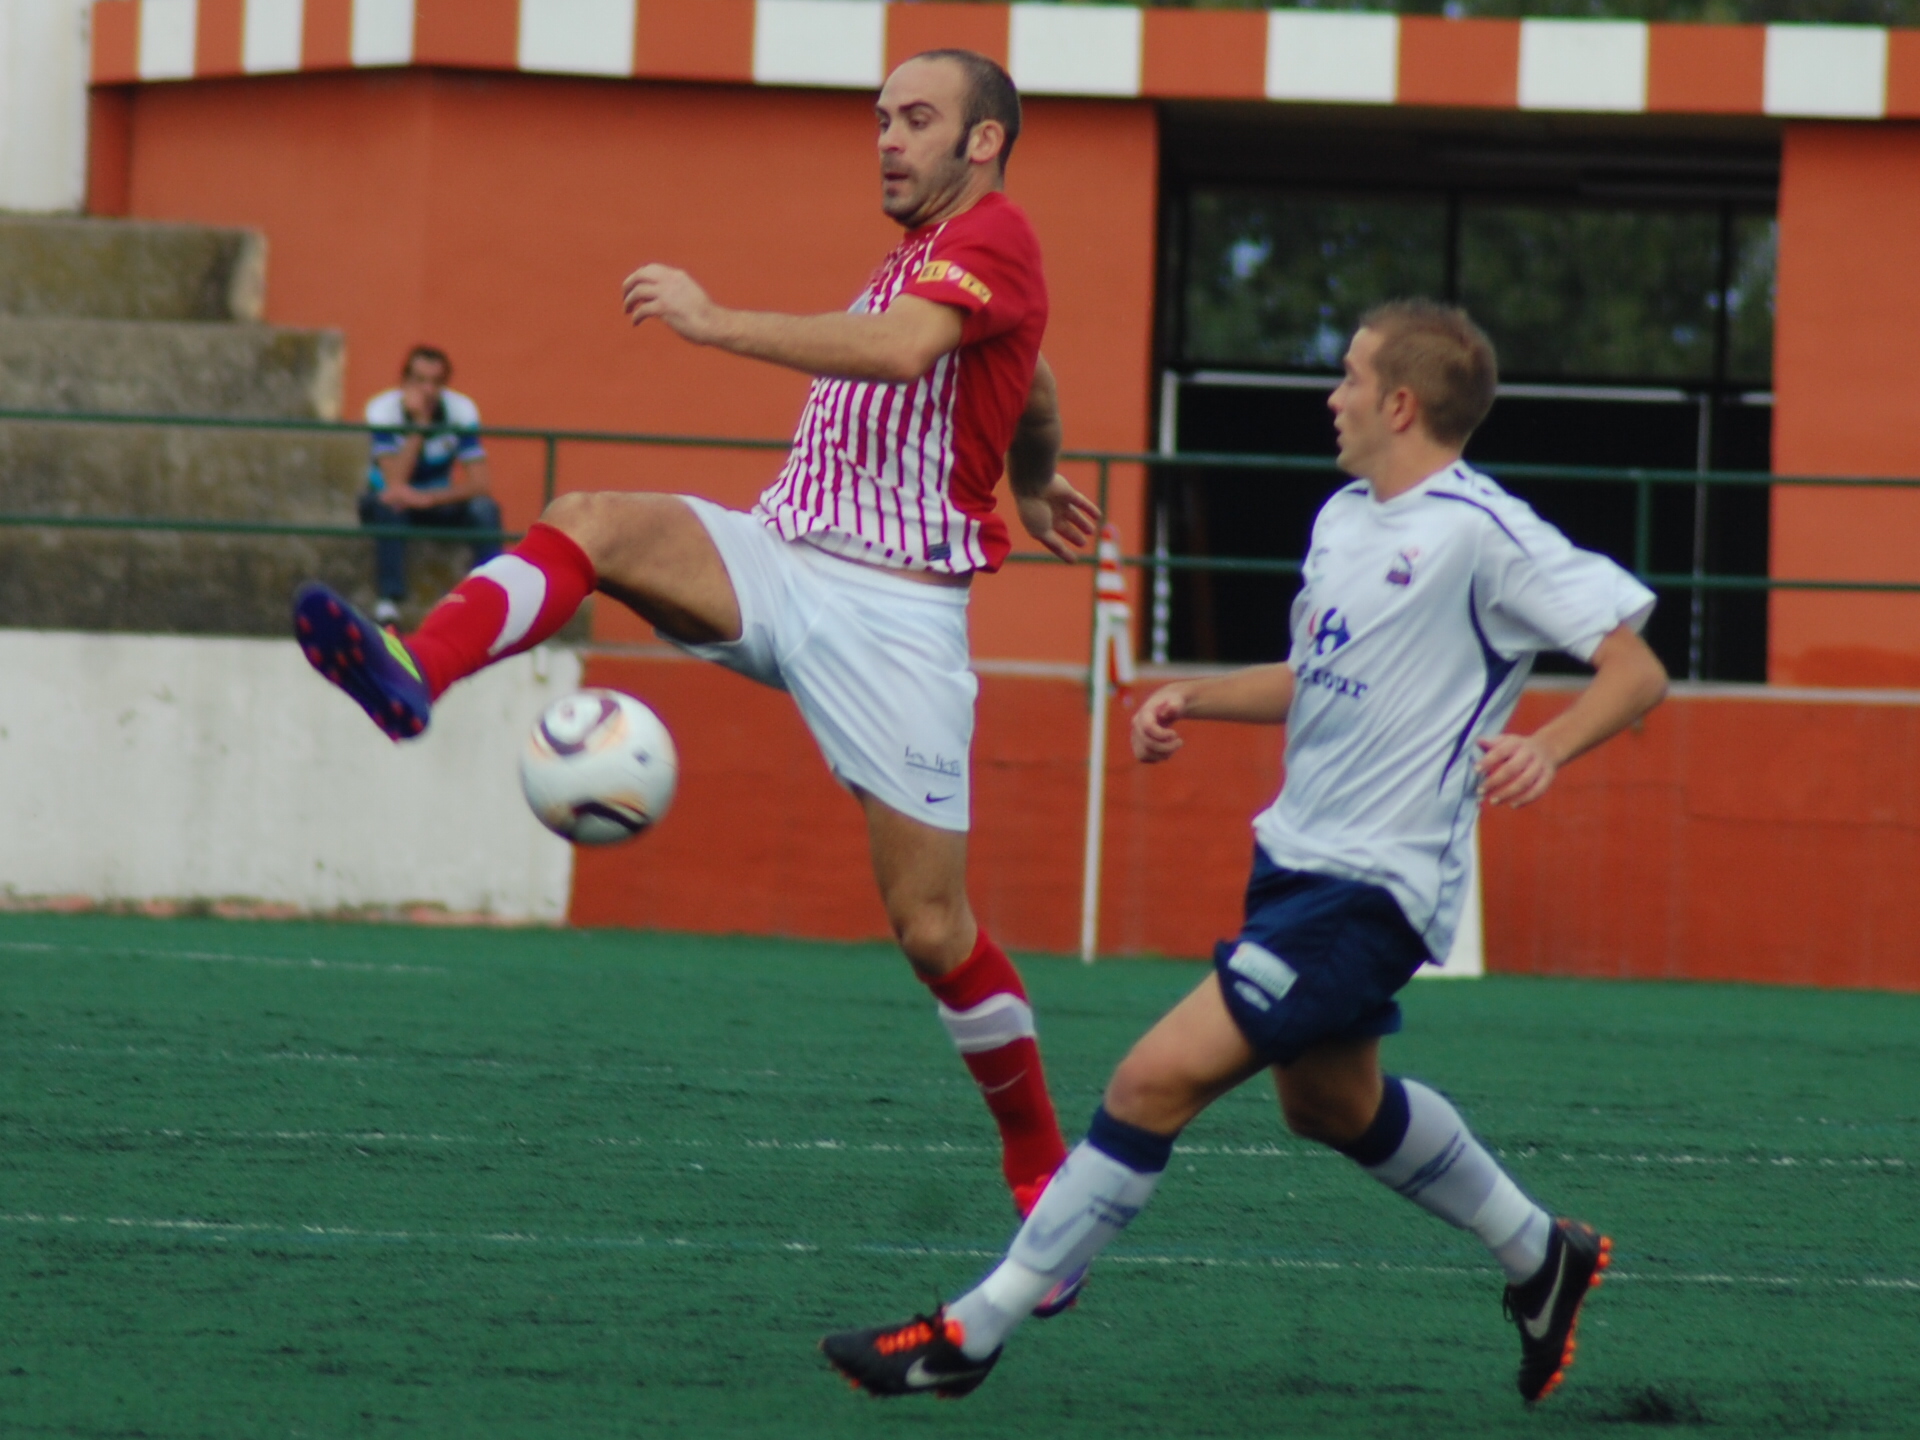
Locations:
(1154, 738)
(1060, 517)
(664, 293)
(1514, 770)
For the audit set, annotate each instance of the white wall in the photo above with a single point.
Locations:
(1468, 958)
(137, 767)
(43, 104)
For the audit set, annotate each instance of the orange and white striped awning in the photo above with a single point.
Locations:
(1853, 72)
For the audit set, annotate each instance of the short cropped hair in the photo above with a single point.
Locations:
(990, 96)
(1438, 353)
(431, 353)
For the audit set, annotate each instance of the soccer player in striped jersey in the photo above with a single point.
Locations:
(1427, 592)
(847, 584)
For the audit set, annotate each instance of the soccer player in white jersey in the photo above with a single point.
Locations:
(847, 584)
(1427, 592)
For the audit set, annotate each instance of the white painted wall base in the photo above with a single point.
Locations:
(138, 768)
(1468, 958)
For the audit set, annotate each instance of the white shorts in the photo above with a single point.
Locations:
(877, 664)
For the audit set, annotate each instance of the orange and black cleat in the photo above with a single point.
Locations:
(922, 1356)
(1547, 1308)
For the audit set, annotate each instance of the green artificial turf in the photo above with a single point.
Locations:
(328, 1180)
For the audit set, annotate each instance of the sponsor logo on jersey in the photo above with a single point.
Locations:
(1401, 571)
(1328, 630)
(1322, 678)
(945, 272)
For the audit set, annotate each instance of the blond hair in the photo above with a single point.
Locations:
(1438, 353)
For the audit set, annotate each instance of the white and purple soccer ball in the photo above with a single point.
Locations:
(599, 768)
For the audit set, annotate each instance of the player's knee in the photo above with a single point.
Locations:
(580, 515)
(594, 520)
(931, 936)
(1149, 1095)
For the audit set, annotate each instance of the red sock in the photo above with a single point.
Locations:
(509, 604)
(984, 1007)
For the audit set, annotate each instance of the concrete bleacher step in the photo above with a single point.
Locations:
(129, 270)
(167, 367)
(170, 582)
(145, 319)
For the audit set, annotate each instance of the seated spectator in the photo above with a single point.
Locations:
(412, 481)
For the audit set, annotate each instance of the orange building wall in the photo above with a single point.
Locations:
(1734, 838)
(762, 840)
(1847, 386)
(1729, 838)
(496, 215)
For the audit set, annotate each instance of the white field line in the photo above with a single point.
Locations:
(432, 1062)
(1260, 1150)
(220, 957)
(226, 1229)
(938, 1147)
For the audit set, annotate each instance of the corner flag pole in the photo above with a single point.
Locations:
(1112, 666)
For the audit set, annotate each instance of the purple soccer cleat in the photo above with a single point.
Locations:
(367, 662)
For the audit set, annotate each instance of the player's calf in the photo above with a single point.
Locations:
(983, 1007)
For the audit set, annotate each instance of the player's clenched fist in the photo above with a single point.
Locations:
(1154, 738)
(660, 292)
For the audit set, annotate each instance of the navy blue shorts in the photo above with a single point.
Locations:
(1317, 959)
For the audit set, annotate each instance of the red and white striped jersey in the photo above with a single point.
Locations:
(903, 475)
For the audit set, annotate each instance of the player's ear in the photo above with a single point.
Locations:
(1403, 410)
(987, 140)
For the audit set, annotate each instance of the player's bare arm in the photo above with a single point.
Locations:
(894, 347)
(1258, 695)
(1628, 681)
(1053, 512)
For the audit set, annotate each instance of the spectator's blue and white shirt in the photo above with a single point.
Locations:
(1412, 635)
(434, 468)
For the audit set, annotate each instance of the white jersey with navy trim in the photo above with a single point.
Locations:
(1414, 630)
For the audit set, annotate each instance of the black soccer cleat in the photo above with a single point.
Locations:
(1547, 1307)
(921, 1357)
(367, 662)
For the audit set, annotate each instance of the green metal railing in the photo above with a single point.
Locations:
(1643, 481)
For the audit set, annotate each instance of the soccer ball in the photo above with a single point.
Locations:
(599, 768)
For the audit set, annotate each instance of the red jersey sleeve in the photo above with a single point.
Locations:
(985, 264)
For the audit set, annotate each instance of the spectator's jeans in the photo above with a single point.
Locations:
(390, 556)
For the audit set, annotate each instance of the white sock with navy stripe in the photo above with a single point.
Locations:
(1420, 1147)
(1093, 1196)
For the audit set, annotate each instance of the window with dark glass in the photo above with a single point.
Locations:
(1632, 331)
